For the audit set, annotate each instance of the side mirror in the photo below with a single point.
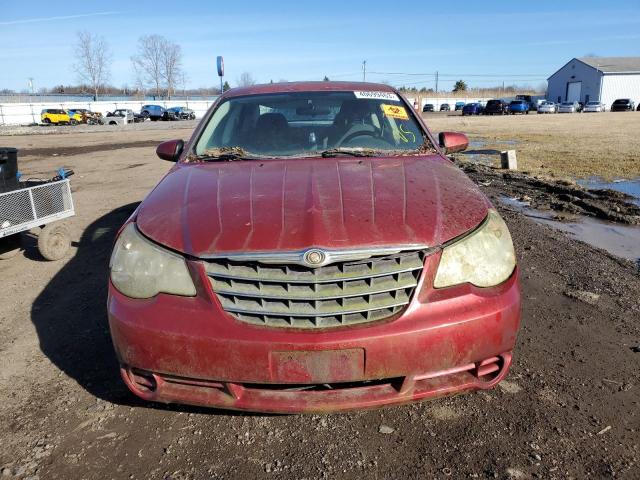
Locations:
(452, 142)
(170, 150)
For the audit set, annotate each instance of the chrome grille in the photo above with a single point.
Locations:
(342, 293)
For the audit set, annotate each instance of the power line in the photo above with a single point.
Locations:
(487, 75)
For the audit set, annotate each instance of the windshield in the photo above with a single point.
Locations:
(308, 123)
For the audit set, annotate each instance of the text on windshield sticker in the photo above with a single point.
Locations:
(395, 111)
(377, 95)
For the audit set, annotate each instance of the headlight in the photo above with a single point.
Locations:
(484, 258)
(141, 269)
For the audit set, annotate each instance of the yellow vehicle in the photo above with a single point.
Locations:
(75, 116)
(55, 116)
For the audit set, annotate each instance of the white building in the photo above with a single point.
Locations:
(592, 79)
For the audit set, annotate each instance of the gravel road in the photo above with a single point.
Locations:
(570, 408)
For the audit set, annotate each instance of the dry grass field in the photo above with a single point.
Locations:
(560, 145)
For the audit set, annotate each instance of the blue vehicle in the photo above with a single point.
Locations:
(459, 106)
(472, 109)
(519, 106)
(154, 112)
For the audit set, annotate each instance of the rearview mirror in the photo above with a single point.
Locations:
(170, 150)
(452, 142)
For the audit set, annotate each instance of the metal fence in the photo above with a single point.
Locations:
(29, 113)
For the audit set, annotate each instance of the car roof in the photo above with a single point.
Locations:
(321, 86)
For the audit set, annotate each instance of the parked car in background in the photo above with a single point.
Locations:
(623, 105)
(87, 116)
(153, 112)
(473, 108)
(183, 113)
(519, 106)
(123, 113)
(428, 107)
(548, 107)
(496, 107)
(75, 117)
(224, 294)
(55, 116)
(569, 107)
(459, 106)
(170, 114)
(594, 107)
(445, 107)
(534, 101)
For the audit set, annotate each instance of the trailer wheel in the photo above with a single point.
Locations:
(10, 246)
(53, 241)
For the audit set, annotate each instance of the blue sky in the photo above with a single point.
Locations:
(485, 44)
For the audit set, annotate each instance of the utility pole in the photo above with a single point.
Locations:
(30, 88)
(436, 82)
(364, 70)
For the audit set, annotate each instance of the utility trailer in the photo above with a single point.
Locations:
(35, 203)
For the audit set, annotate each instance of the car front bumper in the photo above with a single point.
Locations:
(188, 350)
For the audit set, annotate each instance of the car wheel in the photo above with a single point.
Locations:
(53, 241)
(47, 121)
(73, 121)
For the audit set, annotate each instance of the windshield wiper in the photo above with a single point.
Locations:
(223, 157)
(226, 154)
(354, 152)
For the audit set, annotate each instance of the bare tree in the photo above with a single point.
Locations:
(157, 64)
(246, 80)
(171, 61)
(147, 63)
(93, 59)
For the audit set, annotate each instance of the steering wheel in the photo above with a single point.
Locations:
(359, 133)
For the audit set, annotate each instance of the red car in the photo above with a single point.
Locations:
(313, 249)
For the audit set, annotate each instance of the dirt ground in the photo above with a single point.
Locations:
(570, 407)
(562, 145)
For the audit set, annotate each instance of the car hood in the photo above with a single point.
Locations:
(337, 203)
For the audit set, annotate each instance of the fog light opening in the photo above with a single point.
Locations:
(487, 370)
(143, 381)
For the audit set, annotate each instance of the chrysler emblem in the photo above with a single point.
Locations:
(314, 257)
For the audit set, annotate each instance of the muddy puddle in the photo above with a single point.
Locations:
(629, 186)
(618, 239)
(479, 153)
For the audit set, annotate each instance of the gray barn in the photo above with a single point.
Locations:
(592, 79)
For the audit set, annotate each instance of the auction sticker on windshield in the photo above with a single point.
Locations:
(395, 111)
(377, 95)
